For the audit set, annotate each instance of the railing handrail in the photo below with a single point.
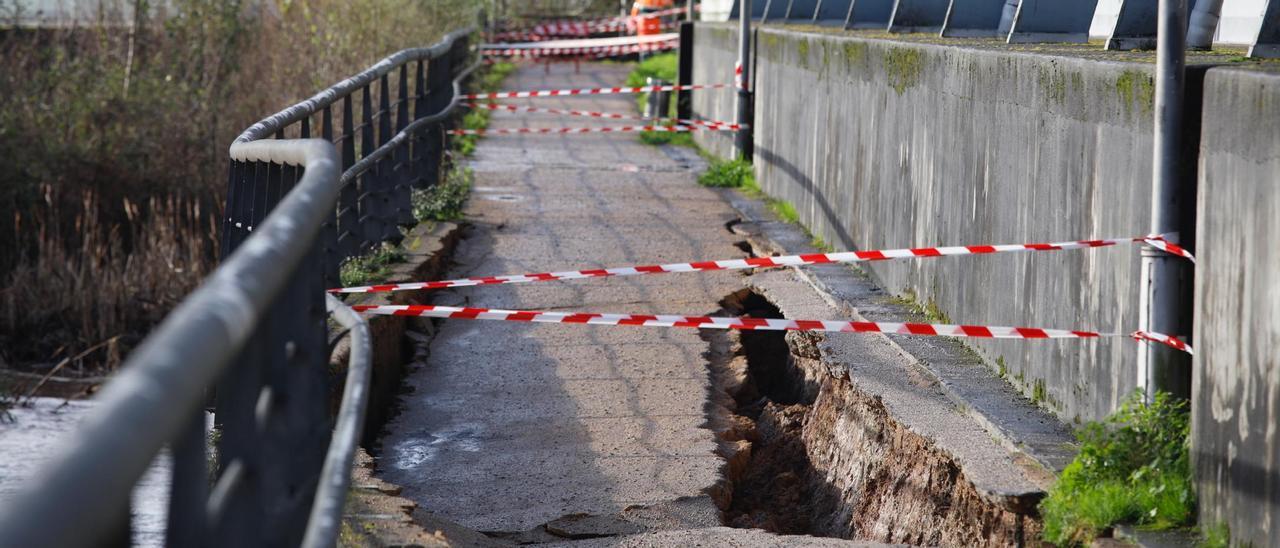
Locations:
(163, 382)
(266, 127)
(372, 159)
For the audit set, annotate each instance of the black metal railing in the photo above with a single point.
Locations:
(256, 331)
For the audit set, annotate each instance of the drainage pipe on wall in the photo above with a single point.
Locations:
(1204, 23)
(1163, 280)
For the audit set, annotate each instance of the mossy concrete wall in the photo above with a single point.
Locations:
(1236, 386)
(886, 144)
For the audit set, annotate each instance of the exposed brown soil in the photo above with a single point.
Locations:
(808, 453)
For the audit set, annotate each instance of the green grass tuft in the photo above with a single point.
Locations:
(1216, 536)
(664, 66)
(680, 139)
(371, 267)
(443, 202)
(1132, 468)
(784, 210)
(728, 174)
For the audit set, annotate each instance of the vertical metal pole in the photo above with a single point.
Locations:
(743, 79)
(1162, 278)
(189, 485)
(684, 98)
(689, 10)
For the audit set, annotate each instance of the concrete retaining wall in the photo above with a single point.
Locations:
(1236, 386)
(883, 144)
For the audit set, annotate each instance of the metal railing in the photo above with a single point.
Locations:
(256, 334)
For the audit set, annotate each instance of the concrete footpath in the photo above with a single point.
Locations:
(509, 426)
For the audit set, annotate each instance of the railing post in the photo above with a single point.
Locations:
(350, 231)
(400, 193)
(369, 233)
(440, 84)
(332, 250)
(418, 152)
(684, 98)
(189, 486)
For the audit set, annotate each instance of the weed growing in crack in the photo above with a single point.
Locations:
(444, 201)
(370, 267)
(1133, 467)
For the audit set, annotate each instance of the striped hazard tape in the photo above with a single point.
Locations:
(769, 262)
(606, 129)
(582, 28)
(592, 114)
(759, 324)
(589, 91)
(599, 51)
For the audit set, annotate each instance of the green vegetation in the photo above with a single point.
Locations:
(739, 174)
(680, 139)
(444, 201)
(371, 267)
(928, 311)
(1135, 85)
(488, 79)
(784, 210)
(729, 174)
(476, 119)
(1217, 536)
(902, 66)
(663, 66)
(1132, 468)
(491, 78)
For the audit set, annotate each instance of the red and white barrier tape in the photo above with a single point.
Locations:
(574, 31)
(583, 113)
(574, 130)
(769, 262)
(599, 51)
(584, 28)
(761, 324)
(590, 91)
(591, 114)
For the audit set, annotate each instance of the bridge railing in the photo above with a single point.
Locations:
(256, 332)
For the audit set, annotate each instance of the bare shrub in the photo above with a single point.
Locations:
(114, 134)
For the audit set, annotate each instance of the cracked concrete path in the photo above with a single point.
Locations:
(511, 425)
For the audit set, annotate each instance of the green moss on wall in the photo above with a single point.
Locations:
(1136, 87)
(1053, 83)
(855, 54)
(802, 49)
(902, 66)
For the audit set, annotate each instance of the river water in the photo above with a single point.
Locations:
(34, 432)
